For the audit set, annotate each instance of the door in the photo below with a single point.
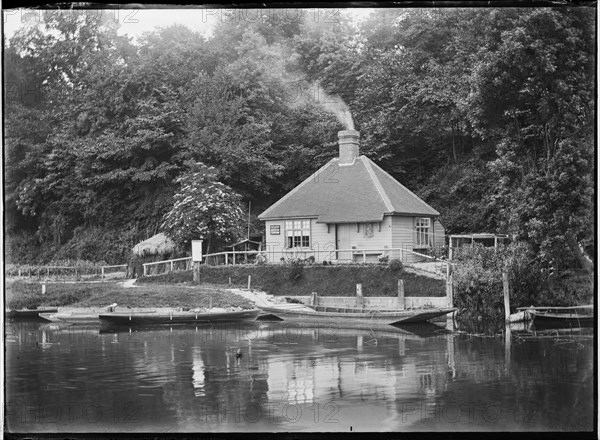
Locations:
(343, 233)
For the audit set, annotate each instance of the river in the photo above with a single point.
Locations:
(191, 379)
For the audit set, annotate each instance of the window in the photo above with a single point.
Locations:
(297, 233)
(368, 230)
(422, 226)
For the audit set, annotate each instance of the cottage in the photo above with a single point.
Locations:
(350, 210)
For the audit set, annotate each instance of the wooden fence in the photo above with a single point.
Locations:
(66, 273)
(422, 262)
(159, 267)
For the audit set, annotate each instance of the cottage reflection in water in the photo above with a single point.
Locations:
(190, 379)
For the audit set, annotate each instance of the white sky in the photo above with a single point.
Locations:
(134, 22)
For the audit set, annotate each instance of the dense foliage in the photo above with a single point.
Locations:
(485, 113)
(478, 281)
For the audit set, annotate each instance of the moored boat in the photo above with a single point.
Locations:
(352, 316)
(79, 316)
(548, 319)
(31, 313)
(178, 317)
(556, 317)
(72, 318)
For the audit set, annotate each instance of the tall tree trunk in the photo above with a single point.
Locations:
(583, 258)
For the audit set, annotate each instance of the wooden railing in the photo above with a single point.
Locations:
(169, 263)
(48, 272)
(103, 268)
(353, 255)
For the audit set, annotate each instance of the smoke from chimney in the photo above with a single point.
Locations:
(336, 106)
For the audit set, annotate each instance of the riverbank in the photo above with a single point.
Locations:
(20, 295)
(289, 280)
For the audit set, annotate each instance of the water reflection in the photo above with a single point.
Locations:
(291, 378)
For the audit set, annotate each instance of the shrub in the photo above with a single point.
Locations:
(297, 266)
(383, 259)
(261, 259)
(478, 289)
(396, 266)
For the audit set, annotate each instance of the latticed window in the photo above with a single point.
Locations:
(297, 233)
(423, 226)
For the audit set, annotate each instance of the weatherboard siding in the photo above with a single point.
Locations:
(403, 236)
(322, 243)
(274, 243)
(373, 246)
(440, 234)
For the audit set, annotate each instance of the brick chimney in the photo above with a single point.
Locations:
(348, 140)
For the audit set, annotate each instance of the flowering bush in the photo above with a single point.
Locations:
(383, 259)
(204, 209)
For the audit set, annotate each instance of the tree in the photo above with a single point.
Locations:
(204, 208)
(533, 95)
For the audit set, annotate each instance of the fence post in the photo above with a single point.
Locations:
(196, 272)
(313, 298)
(145, 269)
(449, 291)
(401, 301)
(234, 257)
(364, 256)
(506, 289)
(249, 281)
(171, 265)
(359, 297)
(102, 270)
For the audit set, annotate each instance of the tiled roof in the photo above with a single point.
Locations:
(354, 193)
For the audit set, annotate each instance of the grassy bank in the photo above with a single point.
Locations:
(21, 295)
(302, 280)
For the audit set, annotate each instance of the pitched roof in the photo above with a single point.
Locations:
(353, 193)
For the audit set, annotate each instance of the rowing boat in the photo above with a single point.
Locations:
(81, 316)
(342, 316)
(549, 316)
(74, 317)
(30, 313)
(178, 317)
(549, 319)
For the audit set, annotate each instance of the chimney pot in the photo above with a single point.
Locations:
(348, 142)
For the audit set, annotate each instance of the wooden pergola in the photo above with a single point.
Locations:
(487, 239)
